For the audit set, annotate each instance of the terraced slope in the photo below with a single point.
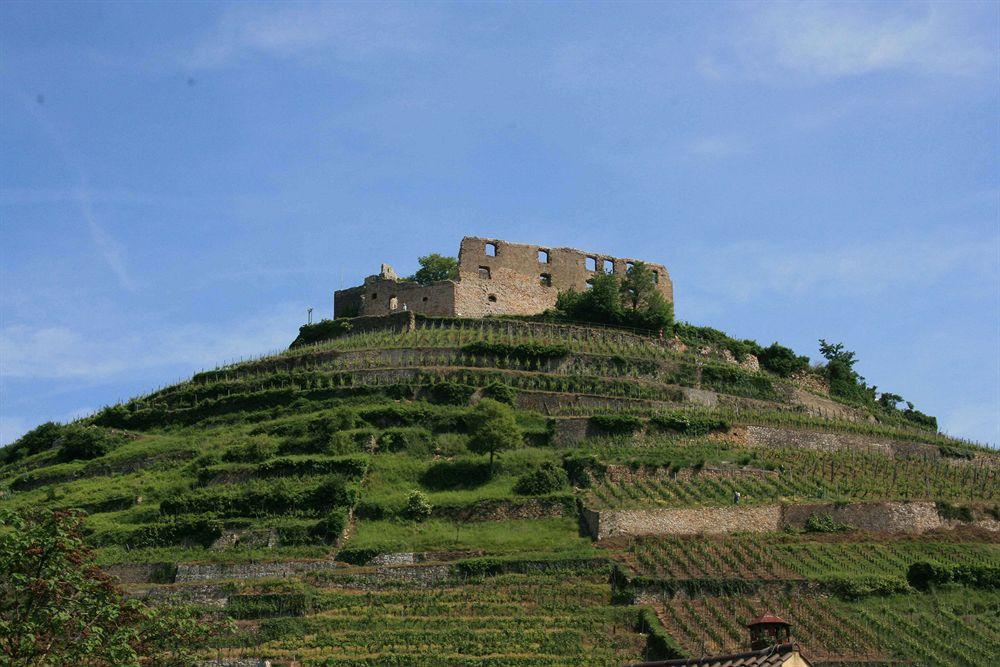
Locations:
(277, 491)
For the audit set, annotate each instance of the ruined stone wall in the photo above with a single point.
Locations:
(386, 296)
(517, 279)
(506, 292)
(566, 268)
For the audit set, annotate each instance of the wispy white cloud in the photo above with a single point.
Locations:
(349, 32)
(63, 352)
(716, 147)
(817, 40)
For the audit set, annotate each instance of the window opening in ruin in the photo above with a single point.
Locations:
(393, 302)
(609, 266)
(374, 296)
(484, 272)
(629, 266)
(543, 256)
(491, 249)
(545, 279)
(425, 298)
(656, 277)
(591, 263)
(492, 298)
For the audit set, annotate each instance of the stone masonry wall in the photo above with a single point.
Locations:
(769, 436)
(890, 517)
(566, 267)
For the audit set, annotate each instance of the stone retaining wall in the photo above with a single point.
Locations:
(892, 517)
(190, 572)
(770, 436)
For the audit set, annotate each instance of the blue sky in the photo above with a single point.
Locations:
(179, 182)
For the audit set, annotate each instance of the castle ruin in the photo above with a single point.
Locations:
(494, 278)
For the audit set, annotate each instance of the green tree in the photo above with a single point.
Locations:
(638, 286)
(58, 608)
(435, 267)
(782, 360)
(493, 429)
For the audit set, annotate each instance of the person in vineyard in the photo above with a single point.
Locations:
(736, 497)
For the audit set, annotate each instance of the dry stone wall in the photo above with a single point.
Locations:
(890, 517)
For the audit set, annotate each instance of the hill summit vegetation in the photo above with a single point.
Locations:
(502, 491)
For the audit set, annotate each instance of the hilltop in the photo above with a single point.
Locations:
(337, 500)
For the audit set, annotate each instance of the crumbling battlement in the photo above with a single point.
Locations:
(494, 278)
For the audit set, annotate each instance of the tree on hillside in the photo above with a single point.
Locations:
(493, 429)
(639, 285)
(844, 380)
(57, 607)
(434, 267)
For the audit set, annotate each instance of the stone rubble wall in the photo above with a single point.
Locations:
(192, 572)
(890, 517)
(770, 436)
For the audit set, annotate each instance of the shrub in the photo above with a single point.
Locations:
(954, 451)
(781, 360)
(417, 507)
(735, 380)
(547, 478)
(620, 424)
(459, 474)
(580, 468)
(955, 513)
(322, 330)
(349, 442)
(259, 448)
(858, 587)
(450, 393)
(34, 441)
(80, 442)
(414, 440)
(523, 351)
(689, 424)
(501, 393)
(358, 556)
(332, 526)
(923, 575)
(825, 523)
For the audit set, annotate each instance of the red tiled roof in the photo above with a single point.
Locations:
(768, 618)
(773, 656)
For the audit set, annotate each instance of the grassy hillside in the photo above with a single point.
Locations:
(295, 474)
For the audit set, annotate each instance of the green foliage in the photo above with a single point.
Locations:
(618, 303)
(357, 556)
(332, 526)
(923, 575)
(956, 451)
(414, 440)
(734, 380)
(951, 512)
(698, 337)
(267, 605)
(855, 588)
(435, 267)
(493, 428)
(501, 392)
(258, 448)
(523, 351)
(660, 645)
(582, 468)
(451, 393)
(457, 474)
(350, 467)
(261, 498)
(34, 441)
(824, 523)
(547, 478)
(781, 360)
(689, 424)
(58, 608)
(321, 331)
(418, 507)
(616, 423)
